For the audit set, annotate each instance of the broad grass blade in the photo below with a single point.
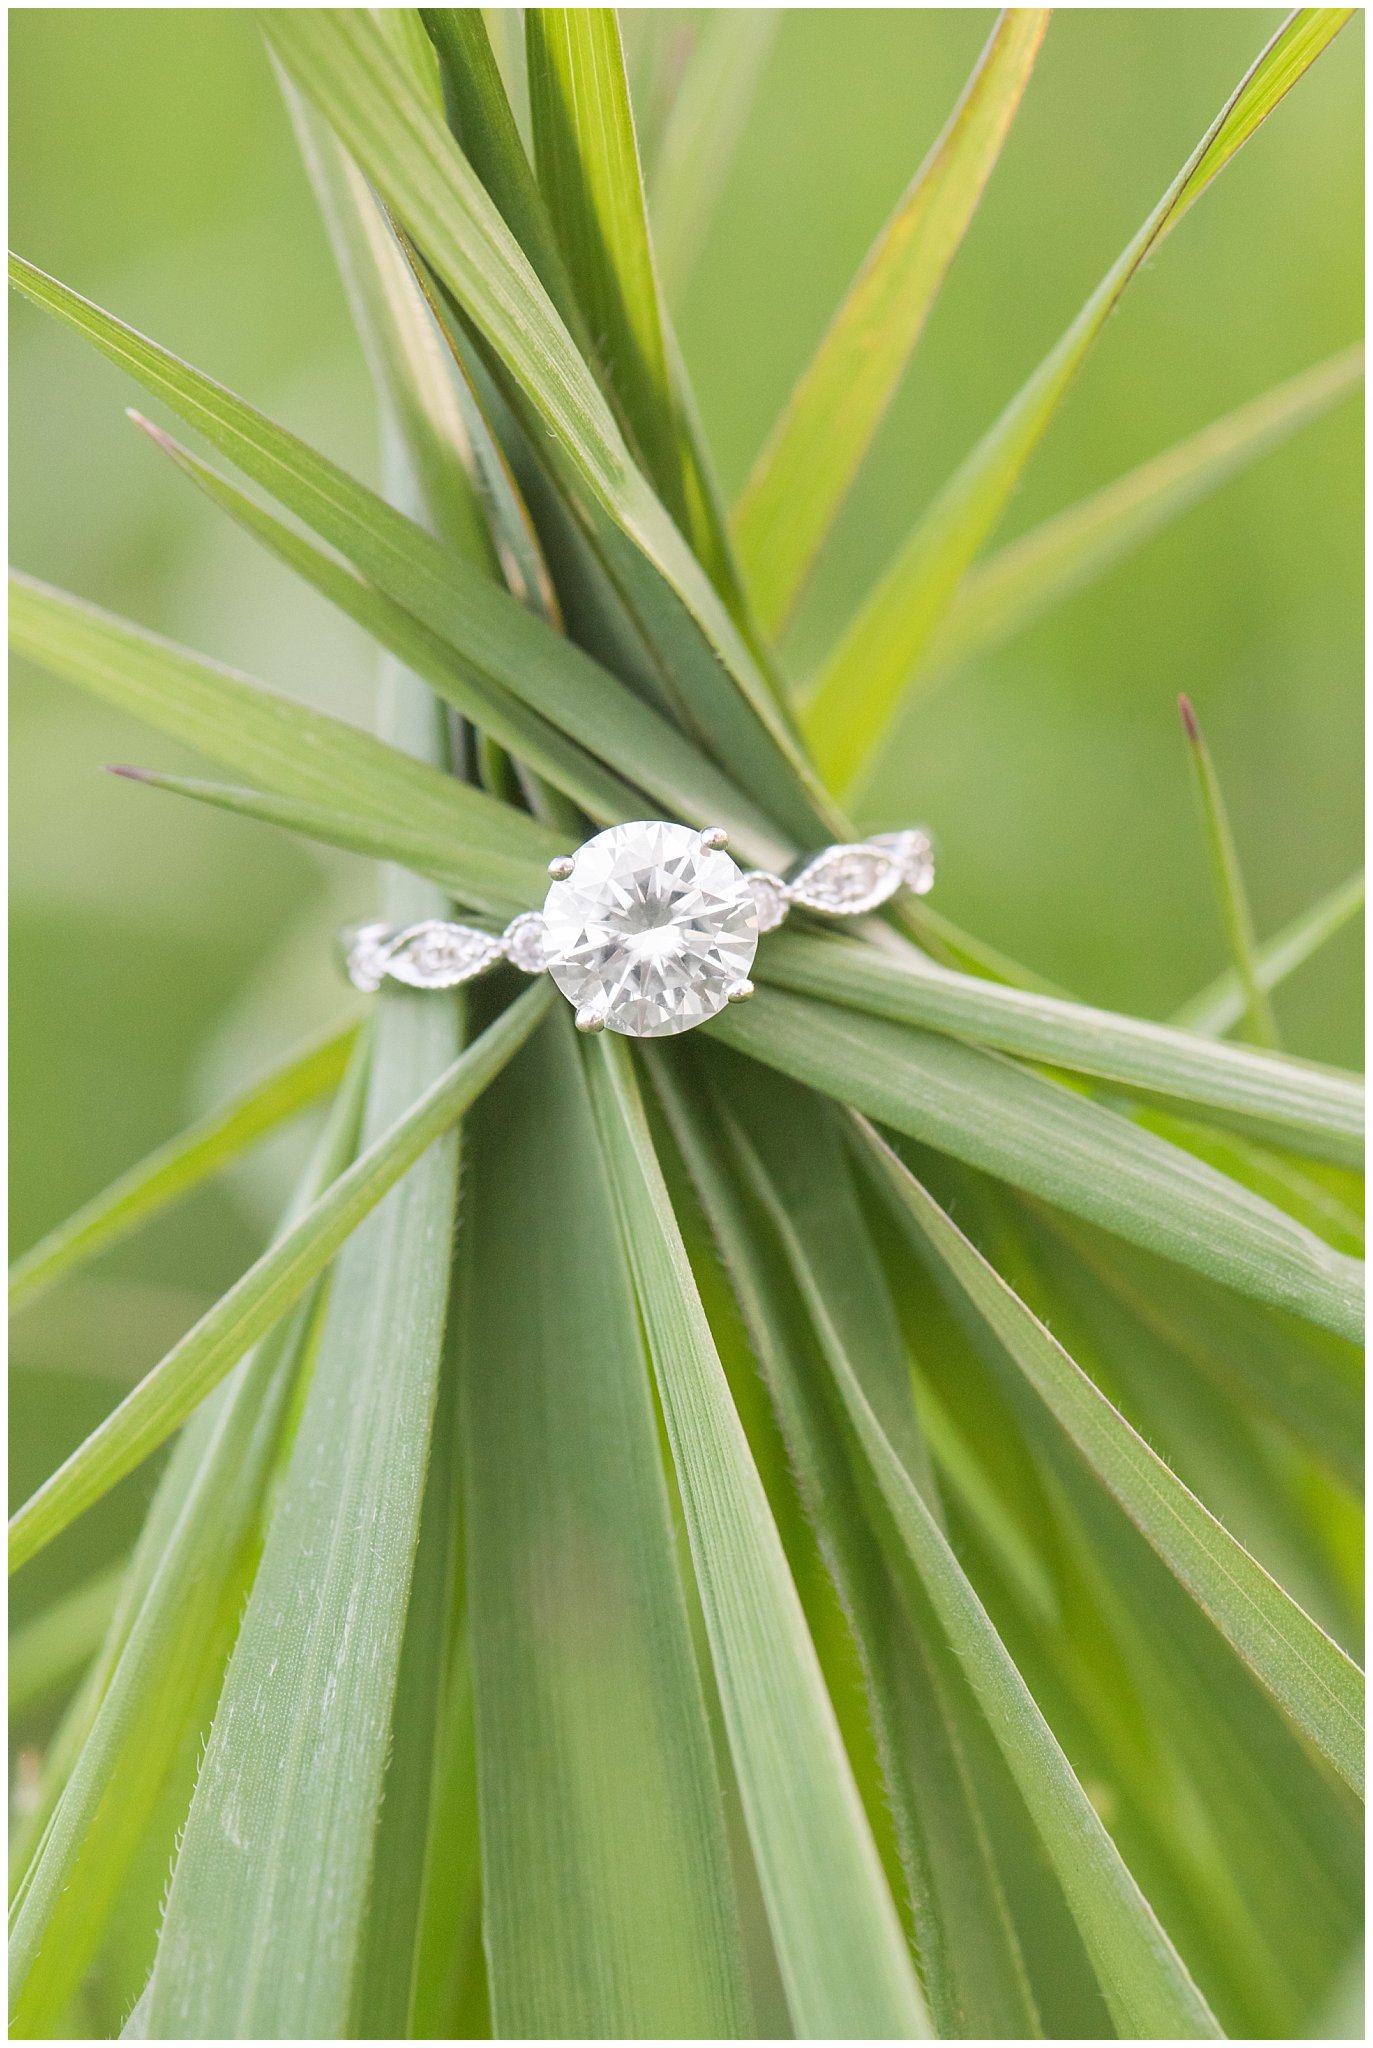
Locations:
(179, 1634)
(838, 1939)
(1000, 597)
(338, 58)
(292, 751)
(1219, 1007)
(182, 1164)
(1214, 1441)
(1128, 1050)
(389, 838)
(808, 465)
(1146, 1985)
(386, 1978)
(169, 1498)
(609, 1901)
(409, 364)
(1286, 1182)
(483, 121)
(263, 1923)
(588, 164)
(501, 649)
(497, 713)
(1309, 1676)
(862, 683)
(450, 2001)
(587, 160)
(1275, 1368)
(1150, 1700)
(179, 1382)
(971, 1967)
(985, 1110)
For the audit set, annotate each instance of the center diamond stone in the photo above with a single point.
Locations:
(651, 929)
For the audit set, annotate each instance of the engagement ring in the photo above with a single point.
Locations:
(648, 929)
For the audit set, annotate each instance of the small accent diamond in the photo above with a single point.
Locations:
(772, 897)
(526, 942)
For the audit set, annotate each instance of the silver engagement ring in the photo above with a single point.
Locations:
(648, 929)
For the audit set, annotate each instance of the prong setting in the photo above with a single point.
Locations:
(716, 838)
(589, 1018)
(561, 866)
(739, 991)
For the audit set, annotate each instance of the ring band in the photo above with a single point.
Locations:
(648, 928)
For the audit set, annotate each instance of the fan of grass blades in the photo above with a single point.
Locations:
(830, 1527)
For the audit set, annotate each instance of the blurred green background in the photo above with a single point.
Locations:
(161, 952)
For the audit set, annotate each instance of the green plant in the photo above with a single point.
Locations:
(498, 1654)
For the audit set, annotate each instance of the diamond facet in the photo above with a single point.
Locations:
(651, 930)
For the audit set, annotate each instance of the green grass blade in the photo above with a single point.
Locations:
(339, 59)
(450, 1962)
(970, 1962)
(262, 1929)
(169, 1496)
(1278, 1371)
(501, 650)
(389, 837)
(814, 452)
(588, 164)
(175, 1386)
(860, 687)
(160, 1696)
(1218, 1448)
(610, 1907)
(431, 439)
(587, 160)
(1308, 1675)
(1269, 1827)
(985, 1110)
(494, 711)
(292, 751)
(186, 1596)
(47, 1653)
(1227, 879)
(182, 1164)
(835, 1929)
(424, 573)
(1144, 1981)
(1129, 1050)
(405, 354)
(577, 692)
(1277, 1176)
(1013, 588)
(482, 120)
(687, 169)
(518, 549)
(385, 1987)
(1219, 1006)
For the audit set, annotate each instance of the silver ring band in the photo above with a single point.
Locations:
(648, 928)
